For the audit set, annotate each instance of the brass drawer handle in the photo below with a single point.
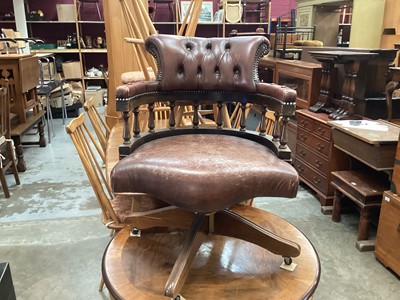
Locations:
(398, 228)
(317, 180)
(303, 137)
(320, 147)
(318, 163)
(304, 122)
(300, 168)
(321, 130)
(302, 153)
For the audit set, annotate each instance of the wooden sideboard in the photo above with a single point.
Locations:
(388, 236)
(316, 157)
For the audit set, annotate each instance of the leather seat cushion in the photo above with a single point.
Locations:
(204, 172)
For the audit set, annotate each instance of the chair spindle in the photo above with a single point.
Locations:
(219, 115)
(275, 133)
(196, 114)
(284, 139)
(136, 125)
(172, 115)
(126, 133)
(151, 123)
(243, 116)
(263, 124)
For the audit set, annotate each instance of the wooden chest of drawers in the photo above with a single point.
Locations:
(388, 236)
(316, 157)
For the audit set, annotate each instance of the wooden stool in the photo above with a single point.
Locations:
(366, 191)
(138, 267)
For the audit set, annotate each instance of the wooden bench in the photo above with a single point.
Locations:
(19, 129)
(366, 191)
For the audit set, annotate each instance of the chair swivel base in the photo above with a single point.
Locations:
(222, 268)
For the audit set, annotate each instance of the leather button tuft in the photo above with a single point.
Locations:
(188, 47)
(208, 46)
(199, 70)
(216, 71)
(227, 46)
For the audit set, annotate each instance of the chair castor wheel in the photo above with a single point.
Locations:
(287, 260)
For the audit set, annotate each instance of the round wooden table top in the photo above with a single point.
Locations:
(224, 268)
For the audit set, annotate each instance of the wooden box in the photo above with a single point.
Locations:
(388, 236)
(395, 187)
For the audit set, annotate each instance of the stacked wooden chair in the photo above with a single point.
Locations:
(7, 152)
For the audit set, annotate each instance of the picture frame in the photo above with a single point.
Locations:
(206, 14)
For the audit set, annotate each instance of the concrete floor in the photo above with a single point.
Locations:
(52, 236)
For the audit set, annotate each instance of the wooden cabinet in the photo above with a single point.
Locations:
(388, 236)
(302, 76)
(315, 156)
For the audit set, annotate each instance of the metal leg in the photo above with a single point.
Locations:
(49, 118)
(63, 107)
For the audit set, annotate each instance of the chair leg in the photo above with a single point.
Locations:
(193, 240)
(14, 169)
(228, 223)
(63, 107)
(4, 184)
(49, 118)
(101, 284)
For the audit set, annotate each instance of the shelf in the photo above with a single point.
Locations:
(7, 21)
(95, 78)
(55, 51)
(94, 50)
(90, 22)
(50, 22)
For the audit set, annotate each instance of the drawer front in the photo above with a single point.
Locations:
(322, 130)
(308, 174)
(304, 122)
(318, 162)
(319, 145)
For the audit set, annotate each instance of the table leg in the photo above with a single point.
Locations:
(363, 227)
(337, 206)
(21, 166)
(42, 139)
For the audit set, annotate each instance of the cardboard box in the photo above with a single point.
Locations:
(48, 69)
(96, 95)
(65, 12)
(71, 69)
(57, 103)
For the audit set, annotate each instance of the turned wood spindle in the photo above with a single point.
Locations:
(284, 139)
(196, 114)
(172, 115)
(263, 124)
(275, 132)
(136, 126)
(219, 115)
(151, 123)
(126, 133)
(243, 116)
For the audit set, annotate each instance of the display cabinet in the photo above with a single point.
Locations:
(302, 76)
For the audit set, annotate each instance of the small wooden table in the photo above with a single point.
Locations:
(374, 144)
(224, 268)
(366, 191)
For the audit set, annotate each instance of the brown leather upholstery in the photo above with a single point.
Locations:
(205, 173)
